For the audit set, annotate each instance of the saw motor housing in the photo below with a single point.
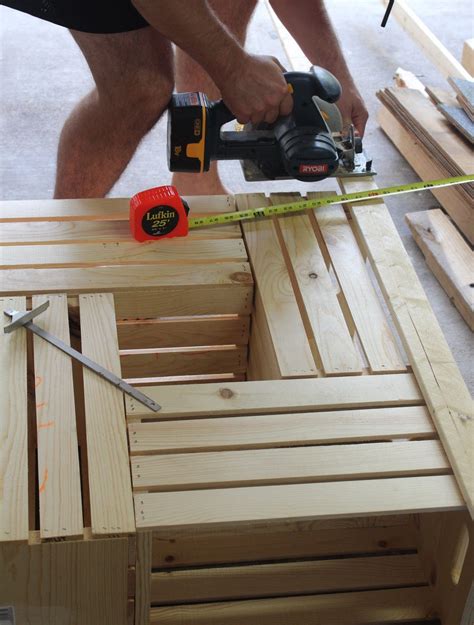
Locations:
(300, 145)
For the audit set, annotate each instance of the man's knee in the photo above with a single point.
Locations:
(140, 100)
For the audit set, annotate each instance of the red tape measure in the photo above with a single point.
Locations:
(158, 213)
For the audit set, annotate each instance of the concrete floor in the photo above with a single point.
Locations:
(42, 76)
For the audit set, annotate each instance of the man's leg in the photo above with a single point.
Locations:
(190, 76)
(133, 74)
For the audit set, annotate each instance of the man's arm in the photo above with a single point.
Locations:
(309, 23)
(252, 86)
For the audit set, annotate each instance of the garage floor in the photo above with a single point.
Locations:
(42, 76)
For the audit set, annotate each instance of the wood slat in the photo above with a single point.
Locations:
(286, 430)
(181, 251)
(47, 232)
(142, 291)
(353, 608)
(188, 379)
(281, 396)
(290, 578)
(143, 578)
(198, 508)
(448, 256)
(372, 327)
(287, 466)
(183, 332)
(277, 541)
(110, 209)
(183, 361)
(334, 342)
(446, 394)
(13, 428)
(59, 477)
(276, 292)
(109, 476)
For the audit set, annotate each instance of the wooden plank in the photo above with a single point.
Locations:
(188, 379)
(287, 466)
(141, 291)
(468, 56)
(277, 541)
(434, 50)
(183, 361)
(180, 251)
(448, 256)
(276, 292)
(252, 504)
(59, 477)
(318, 294)
(428, 169)
(290, 578)
(110, 209)
(183, 332)
(73, 581)
(443, 388)
(370, 607)
(47, 232)
(372, 327)
(143, 578)
(464, 93)
(203, 400)
(109, 477)
(13, 428)
(287, 430)
(459, 119)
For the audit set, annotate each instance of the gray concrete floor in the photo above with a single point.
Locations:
(42, 76)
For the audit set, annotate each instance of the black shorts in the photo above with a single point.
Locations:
(88, 16)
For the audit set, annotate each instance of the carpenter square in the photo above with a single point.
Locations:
(22, 319)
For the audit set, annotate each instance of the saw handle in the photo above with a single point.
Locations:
(304, 85)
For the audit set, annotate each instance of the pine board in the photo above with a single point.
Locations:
(14, 508)
(173, 472)
(109, 477)
(248, 505)
(292, 578)
(448, 256)
(369, 607)
(59, 478)
(240, 398)
(286, 430)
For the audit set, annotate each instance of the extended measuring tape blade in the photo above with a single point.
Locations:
(294, 207)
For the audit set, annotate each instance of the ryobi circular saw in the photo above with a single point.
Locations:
(309, 144)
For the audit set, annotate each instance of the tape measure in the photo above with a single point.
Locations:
(161, 213)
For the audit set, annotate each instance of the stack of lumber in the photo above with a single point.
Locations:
(428, 142)
(411, 118)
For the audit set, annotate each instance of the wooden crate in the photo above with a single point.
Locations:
(325, 482)
(152, 314)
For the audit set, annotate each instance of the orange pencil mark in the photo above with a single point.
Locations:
(43, 483)
(47, 424)
(38, 381)
(41, 404)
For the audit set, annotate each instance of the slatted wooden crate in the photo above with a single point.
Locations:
(325, 482)
(152, 314)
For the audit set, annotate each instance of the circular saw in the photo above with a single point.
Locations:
(309, 144)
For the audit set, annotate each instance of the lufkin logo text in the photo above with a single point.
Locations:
(161, 214)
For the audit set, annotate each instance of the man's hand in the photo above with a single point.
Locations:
(255, 90)
(352, 108)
